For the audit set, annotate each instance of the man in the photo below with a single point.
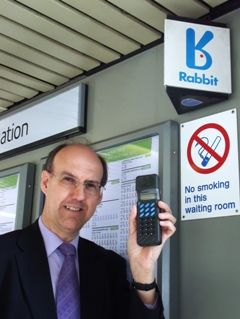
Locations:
(31, 262)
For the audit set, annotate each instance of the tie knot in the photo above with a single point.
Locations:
(67, 249)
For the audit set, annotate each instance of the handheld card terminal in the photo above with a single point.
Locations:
(148, 194)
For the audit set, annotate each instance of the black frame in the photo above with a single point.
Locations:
(40, 194)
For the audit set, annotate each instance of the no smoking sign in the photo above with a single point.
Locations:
(209, 167)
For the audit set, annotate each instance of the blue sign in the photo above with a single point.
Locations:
(193, 48)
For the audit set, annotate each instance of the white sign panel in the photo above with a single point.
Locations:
(194, 55)
(61, 113)
(209, 167)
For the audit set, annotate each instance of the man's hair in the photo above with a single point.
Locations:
(48, 166)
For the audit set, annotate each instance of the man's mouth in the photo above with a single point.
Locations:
(73, 208)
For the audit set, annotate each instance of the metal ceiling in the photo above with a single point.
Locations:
(46, 44)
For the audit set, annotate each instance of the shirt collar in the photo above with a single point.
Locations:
(51, 240)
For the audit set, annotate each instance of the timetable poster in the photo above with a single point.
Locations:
(8, 202)
(109, 225)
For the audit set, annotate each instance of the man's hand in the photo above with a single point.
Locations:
(143, 259)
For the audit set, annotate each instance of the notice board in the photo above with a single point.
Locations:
(147, 151)
(16, 190)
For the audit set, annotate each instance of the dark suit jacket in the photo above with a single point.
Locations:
(26, 289)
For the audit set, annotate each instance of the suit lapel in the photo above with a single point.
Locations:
(34, 273)
(92, 281)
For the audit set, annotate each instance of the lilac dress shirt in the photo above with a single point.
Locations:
(55, 258)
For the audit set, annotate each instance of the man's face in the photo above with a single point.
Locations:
(67, 207)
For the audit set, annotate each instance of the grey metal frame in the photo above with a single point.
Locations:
(167, 272)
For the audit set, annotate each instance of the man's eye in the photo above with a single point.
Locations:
(91, 185)
(68, 180)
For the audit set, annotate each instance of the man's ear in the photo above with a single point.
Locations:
(44, 181)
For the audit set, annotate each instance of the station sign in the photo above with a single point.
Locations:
(54, 117)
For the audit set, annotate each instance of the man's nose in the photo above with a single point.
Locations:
(79, 191)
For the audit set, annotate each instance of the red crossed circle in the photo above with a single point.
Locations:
(220, 159)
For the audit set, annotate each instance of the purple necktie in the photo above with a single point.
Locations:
(68, 292)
